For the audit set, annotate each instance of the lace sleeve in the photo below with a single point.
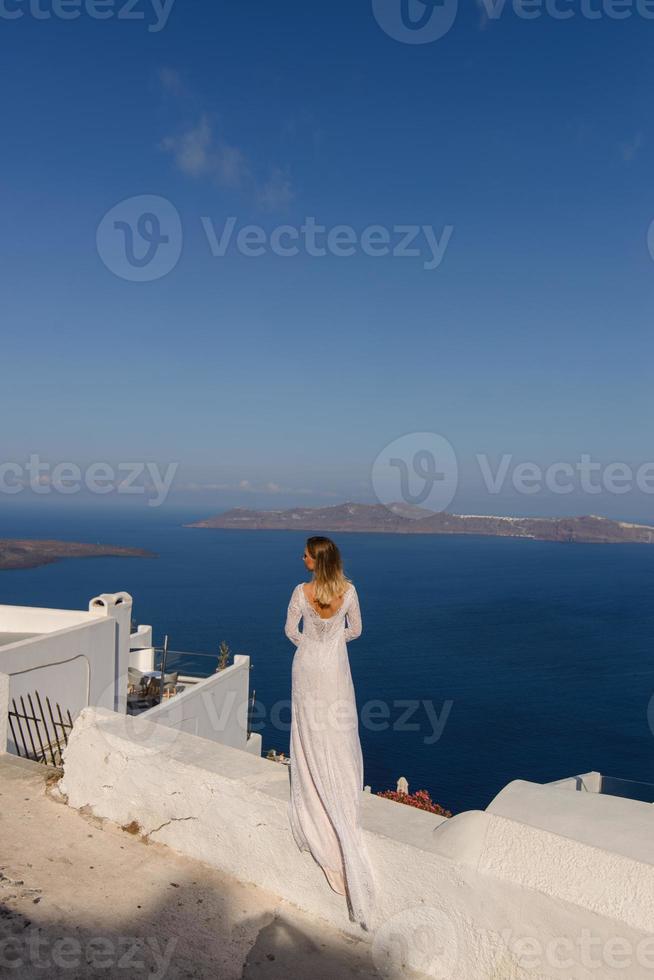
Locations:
(293, 617)
(354, 627)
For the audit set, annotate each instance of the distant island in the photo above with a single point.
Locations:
(31, 554)
(404, 519)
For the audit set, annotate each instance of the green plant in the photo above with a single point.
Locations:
(223, 656)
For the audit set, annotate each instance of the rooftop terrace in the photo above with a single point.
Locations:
(7, 638)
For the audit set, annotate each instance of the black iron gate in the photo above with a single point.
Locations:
(40, 734)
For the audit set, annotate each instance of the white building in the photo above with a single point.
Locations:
(550, 881)
(77, 658)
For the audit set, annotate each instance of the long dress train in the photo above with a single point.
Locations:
(326, 761)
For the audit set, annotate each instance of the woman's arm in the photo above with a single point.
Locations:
(293, 617)
(354, 627)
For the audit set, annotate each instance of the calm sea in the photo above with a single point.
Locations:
(481, 660)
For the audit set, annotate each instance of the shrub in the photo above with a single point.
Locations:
(420, 799)
(223, 656)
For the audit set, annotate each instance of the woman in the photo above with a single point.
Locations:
(326, 762)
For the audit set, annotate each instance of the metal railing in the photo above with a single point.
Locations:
(251, 703)
(166, 653)
(26, 725)
(628, 789)
(182, 653)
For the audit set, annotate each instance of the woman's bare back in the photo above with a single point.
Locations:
(325, 612)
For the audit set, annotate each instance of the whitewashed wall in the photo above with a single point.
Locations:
(33, 619)
(508, 902)
(117, 606)
(215, 708)
(73, 667)
(77, 658)
(141, 653)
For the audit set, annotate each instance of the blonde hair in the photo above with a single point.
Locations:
(329, 579)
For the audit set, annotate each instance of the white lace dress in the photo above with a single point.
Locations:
(326, 761)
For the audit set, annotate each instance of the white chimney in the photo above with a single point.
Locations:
(118, 606)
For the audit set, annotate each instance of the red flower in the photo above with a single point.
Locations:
(420, 799)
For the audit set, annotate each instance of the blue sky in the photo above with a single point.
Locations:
(275, 381)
